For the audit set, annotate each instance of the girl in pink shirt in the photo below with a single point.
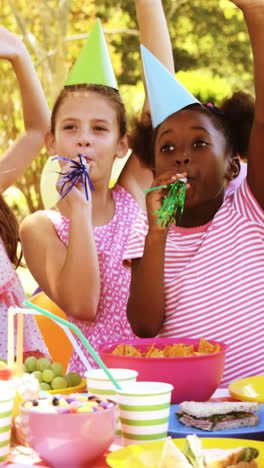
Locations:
(204, 276)
(75, 251)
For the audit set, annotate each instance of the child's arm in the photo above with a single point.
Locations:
(35, 110)
(146, 304)
(154, 35)
(68, 274)
(253, 11)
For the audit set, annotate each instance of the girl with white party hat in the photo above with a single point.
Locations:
(75, 250)
(203, 276)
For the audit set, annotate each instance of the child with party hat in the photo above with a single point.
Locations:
(75, 250)
(203, 274)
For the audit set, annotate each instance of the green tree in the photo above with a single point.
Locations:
(210, 46)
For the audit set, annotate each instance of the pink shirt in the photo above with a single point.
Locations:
(214, 281)
(12, 294)
(111, 323)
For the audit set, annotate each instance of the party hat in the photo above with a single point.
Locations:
(166, 94)
(93, 66)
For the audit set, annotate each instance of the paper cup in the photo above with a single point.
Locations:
(7, 395)
(99, 384)
(144, 411)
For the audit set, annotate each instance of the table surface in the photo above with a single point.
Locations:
(22, 457)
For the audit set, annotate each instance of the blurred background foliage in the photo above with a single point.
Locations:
(210, 45)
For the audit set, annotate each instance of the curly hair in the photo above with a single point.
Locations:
(234, 120)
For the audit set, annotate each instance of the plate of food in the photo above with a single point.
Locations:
(248, 389)
(242, 420)
(190, 452)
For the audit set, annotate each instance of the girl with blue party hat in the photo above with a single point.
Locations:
(75, 250)
(202, 275)
(13, 163)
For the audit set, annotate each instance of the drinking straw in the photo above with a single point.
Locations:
(81, 337)
(67, 332)
(19, 358)
(10, 338)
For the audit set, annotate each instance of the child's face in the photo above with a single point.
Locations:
(86, 123)
(189, 142)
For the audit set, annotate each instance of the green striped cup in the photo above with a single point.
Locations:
(7, 394)
(99, 384)
(144, 411)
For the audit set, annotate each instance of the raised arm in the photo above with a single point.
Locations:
(154, 35)
(253, 11)
(36, 113)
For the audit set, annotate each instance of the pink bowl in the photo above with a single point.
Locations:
(194, 377)
(69, 440)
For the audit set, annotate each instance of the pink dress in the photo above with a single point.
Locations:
(12, 294)
(111, 323)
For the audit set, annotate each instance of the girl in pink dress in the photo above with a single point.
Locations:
(12, 165)
(75, 251)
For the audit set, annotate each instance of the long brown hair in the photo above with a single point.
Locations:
(110, 94)
(9, 232)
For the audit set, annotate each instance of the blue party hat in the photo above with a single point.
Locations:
(93, 66)
(166, 94)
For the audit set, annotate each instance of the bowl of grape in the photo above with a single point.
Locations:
(51, 376)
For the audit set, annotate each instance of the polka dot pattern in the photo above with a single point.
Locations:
(111, 323)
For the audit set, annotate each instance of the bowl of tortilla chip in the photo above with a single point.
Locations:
(193, 366)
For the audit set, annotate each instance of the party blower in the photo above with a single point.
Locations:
(65, 325)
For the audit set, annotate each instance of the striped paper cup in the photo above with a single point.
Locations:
(7, 395)
(144, 411)
(99, 384)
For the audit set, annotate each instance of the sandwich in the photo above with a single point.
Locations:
(172, 457)
(209, 416)
(194, 456)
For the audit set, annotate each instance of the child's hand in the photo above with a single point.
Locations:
(154, 198)
(10, 45)
(74, 201)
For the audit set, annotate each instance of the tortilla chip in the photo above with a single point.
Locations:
(217, 348)
(132, 351)
(176, 350)
(119, 350)
(188, 350)
(157, 353)
(149, 350)
(205, 347)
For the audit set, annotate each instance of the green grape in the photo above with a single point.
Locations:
(58, 383)
(42, 364)
(38, 375)
(44, 386)
(31, 364)
(67, 377)
(57, 369)
(47, 375)
(74, 378)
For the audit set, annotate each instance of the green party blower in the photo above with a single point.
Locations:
(81, 337)
(173, 202)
